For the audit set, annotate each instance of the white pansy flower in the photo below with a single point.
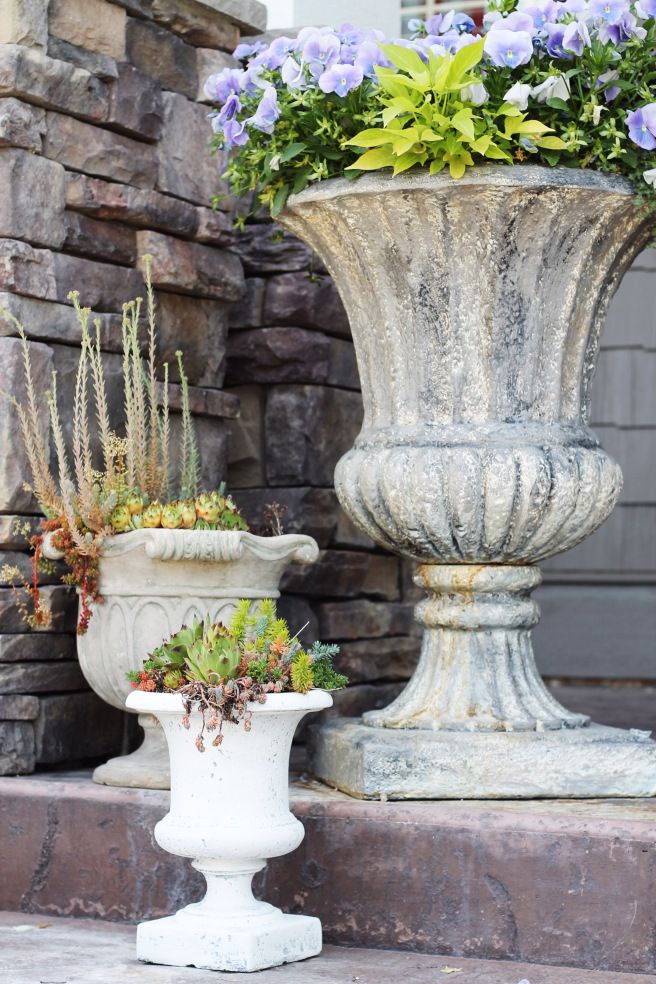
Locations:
(596, 114)
(650, 177)
(476, 93)
(518, 95)
(554, 87)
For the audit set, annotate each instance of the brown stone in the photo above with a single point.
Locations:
(15, 531)
(26, 270)
(210, 62)
(353, 701)
(102, 285)
(21, 125)
(135, 103)
(50, 82)
(290, 355)
(364, 619)
(187, 168)
(264, 248)
(47, 321)
(214, 227)
(20, 678)
(100, 240)
(306, 510)
(133, 206)
(248, 313)
(300, 617)
(28, 646)
(61, 601)
(18, 707)
(93, 24)
(205, 402)
(94, 150)
(199, 24)
(24, 22)
(246, 440)
(189, 268)
(76, 726)
(343, 574)
(307, 430)
(102, 66)
(32, 202)
(199, 328)
(16, 748)
(369, 660)
(305, 301)
(212, 438)
(162, 55)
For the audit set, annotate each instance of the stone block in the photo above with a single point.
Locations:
(65, 360)
(107, 241)
(135, 103)
(291, 355)
(21, 678)
(16, 748)
(47, 321)
(93, 24)
(353, 701)
(264, 248)
(248, 313)
(15, 531)
(104, 286)
(369, 660)
(618, 705)
(163, 56)
(306, 302)
(38, 646)
(23, 562)
(200, 329)
(102, 66)
(300, 618)
(307, 430)
(133, 206)
(246, 440)
(18, 707)
(209, 61)
(61, 601)
(187, 168)
(76, 726)
(189, 268)
(21, 125)
(50, 82)
(362, 619)
(26, 270)
(214, 227)
(212, 437)
(82, 147)
(199, 24)
(306, 510)
(14, 464)
(205, 402)
(24, 22)
(32, 202)
(345, 574)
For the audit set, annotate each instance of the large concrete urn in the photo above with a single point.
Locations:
(153, 582)
(476, 308)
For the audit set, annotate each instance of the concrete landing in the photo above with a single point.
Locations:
(570, 884)
(34, 950)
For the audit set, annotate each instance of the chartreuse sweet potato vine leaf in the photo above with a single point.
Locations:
(426, 117)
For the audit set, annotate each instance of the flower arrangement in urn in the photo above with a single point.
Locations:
(221, 669)
(555, 82)
(134, 487)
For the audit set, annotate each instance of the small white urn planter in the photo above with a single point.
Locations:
(476, 308)
(154, 581)
(230, 813)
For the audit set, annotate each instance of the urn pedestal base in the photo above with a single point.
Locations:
(373, 763)
(147, 767)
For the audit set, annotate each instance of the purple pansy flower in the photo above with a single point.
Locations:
(576, 37)
(243, 51)
(293, 74)
(234, 134)
(221, 85)
(577, 7)
(369, 55)
(641, 124)
(627, 27)
(267, 112)
(230, 108)
(277, 52)
(341, 78)
(611, 11)
(613, 91)
(434, 24)
(519, 20)
(415, 25)
(320, 51)
(510, 48)
(646, 9)
(554, 40)
(542, 11)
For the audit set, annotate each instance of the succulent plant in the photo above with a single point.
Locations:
(135, 502)
(208, 509)
(120, 519)
(171, 516)
(188, 514)
(152, 515)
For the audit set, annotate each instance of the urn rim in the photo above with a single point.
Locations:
(153, 703)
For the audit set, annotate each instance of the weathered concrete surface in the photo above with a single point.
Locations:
(84, 952)
(565, 884)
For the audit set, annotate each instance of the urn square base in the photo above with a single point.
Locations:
(192, 939)
(373, 763)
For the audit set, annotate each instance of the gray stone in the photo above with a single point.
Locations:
(212, 437)
(18, 707)
(362, 618)
(26, 270)
(305, 301)
(306, 510)
(618, 705)
(307, 429)
(102, 66)
(15, 531)
(210, 62)
(24, 22)
(187, 169)
(343, 574)
(20, 678)
(202, 24)
(76, 726)
(163, 56)
(634, 449)
(21, 125)
(39, 646)
(291, 355)
(246, 437)
(300, 617)
(264, 248)
(134, 206)
(135, 103)
(352, 701)
(205, 402)
(32, 203)
(30, 74)
(16, 748)
(101, 240)
(619, 548)
(248, 313)
(378, 660)
(189, 268)
(14, 467)
(47, 321)
(93, 24)
(200, 329)
(214, 227)
(104, 286)
(91, 149)
(60, 600)
(23, 563)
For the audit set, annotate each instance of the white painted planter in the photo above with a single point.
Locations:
(153, 582)
(230, 813)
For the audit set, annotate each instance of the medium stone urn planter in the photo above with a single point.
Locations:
(154, 581)
(230, 812)
(476, 308)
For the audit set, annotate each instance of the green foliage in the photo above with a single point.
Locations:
(302, 676)
(189, 458)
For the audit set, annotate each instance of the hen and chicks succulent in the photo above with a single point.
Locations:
(208, 511)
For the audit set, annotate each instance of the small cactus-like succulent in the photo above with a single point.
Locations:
(172, 679)
(152, 516)
(134, 502)
(188, 514)
(208, 509)
(171, 516)
(120, 519)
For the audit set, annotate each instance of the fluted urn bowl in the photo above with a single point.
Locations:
(476, 308)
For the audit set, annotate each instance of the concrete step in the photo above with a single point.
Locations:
(569, 884)
(35, 950)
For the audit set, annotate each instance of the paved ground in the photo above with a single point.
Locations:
(34, 950)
